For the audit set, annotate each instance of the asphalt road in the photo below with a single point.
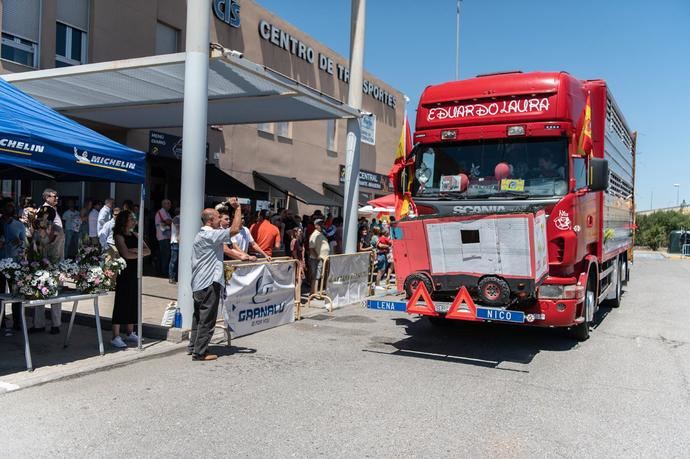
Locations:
(380, 384)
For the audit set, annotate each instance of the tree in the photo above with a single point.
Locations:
(654, 229)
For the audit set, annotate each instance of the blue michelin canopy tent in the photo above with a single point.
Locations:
(34, 138)
(38, 142)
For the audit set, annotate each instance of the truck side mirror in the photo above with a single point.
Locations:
(598, 174)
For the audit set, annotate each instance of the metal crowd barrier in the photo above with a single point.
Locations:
(321, 293)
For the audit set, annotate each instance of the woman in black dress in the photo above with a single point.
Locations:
(125, 308)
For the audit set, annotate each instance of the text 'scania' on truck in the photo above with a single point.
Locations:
(523, 185)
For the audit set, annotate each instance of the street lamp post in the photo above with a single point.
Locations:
(677, 185)
(457, 40)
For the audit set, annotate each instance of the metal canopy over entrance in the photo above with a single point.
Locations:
(301, 192)
(340, 191)
(148, 92)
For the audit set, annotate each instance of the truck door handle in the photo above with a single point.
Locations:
(590, 221)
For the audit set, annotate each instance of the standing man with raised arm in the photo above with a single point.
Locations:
(208, 277)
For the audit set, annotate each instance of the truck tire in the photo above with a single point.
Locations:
(412, 282)
(580, 332)
(494, 291)
(618, 288)
(626, 271)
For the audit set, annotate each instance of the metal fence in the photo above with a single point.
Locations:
(323, 293)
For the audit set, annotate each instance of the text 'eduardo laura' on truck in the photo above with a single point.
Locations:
(524, 187)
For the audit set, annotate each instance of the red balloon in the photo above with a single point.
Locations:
(502, 171)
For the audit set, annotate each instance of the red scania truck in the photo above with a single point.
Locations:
(524, 188)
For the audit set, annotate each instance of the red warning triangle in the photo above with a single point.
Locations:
(463, 307)
(426, 308)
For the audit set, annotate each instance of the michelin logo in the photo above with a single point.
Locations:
(21, 146)
(102, 161)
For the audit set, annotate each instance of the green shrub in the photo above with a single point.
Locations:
(653, 230)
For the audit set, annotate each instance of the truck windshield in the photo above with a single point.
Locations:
(492, 168)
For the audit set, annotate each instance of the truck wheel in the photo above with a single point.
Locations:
(494, 291)
(412, 282)
(580, 332)
(626, 271)
(618, 288)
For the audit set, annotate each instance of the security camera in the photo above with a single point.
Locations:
(234, 53)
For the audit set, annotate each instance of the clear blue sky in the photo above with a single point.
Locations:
(641, 48)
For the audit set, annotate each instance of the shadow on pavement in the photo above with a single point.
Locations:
(222, 351)
(482, 343)
(48, 350)
(479, 344)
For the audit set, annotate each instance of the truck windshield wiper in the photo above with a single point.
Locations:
(505, 194)
(444, 195)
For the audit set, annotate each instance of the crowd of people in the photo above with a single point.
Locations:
(309, 239)
(55, 235)
(43, 232)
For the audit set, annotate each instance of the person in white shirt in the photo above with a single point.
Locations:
(163, 221)
(105, 214)
(243, 240)
(51, 246)
(174, 247)
(93, 222)
(72, 222)
(208, 277)
(105, 236)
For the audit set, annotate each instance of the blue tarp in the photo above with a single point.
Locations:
(35, 137)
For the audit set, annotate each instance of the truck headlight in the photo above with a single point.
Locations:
(551, 291)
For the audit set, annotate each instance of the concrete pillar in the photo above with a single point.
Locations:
(353, 141)
(193, 145)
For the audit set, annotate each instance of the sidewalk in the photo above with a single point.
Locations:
(647, 253)
(157, 293)
(53, 362)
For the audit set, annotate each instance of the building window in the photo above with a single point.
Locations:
(330, 135)
(20, 31)
(167, 39)
(284, 129)
(71, 32)
(18, 50)
(265, 127)
(70, 46)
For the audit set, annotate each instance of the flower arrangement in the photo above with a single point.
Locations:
(37, 278)
(34, 280)
(37, 285)
(95, 270)
(89, 255)
(92, 279)
(10, 268)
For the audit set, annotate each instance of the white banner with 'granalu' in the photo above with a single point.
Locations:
(259, 297)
